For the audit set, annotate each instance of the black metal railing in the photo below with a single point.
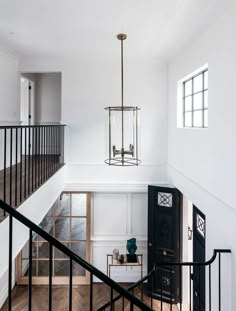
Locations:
(194, 303)
(199, 295)
(29, 155)
(74, 259)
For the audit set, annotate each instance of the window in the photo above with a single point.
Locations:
(192, 99)
(195, 100)
(69, 222)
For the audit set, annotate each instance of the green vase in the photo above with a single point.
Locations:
(131, 246)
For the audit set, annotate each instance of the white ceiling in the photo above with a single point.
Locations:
(155, 28)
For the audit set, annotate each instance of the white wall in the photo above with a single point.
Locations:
(9, 89)
(117, 217)
(202, 162)
(48, 97)
(88, 86)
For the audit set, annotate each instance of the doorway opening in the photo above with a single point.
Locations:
(40, 98)
(69, 222)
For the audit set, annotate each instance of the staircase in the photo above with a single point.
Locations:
(120, 298)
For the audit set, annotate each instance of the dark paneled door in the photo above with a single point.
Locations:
(164, 240)
(199, 234)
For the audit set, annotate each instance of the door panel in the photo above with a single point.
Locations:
(198, 256)
(164, 239)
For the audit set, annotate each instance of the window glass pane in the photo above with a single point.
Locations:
(25, 267)
(79, 248)
(43, 250)
(197, 83)
(43, 267)
(78, 229)
(188, 119)
(58, 254)
(188, 88)
(62, 229)
(47, 225)
(79, 204)
(188, 103)
(206, 99)
(206, 80)
(63, 206)
(197, 118)
(197, 101)
(61, 267)
(205, 118)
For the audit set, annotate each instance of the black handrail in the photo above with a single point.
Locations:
(187, 263)
(29, 126)
(54, 242)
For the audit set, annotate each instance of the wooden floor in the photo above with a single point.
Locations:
(80, 299)
(25, 178)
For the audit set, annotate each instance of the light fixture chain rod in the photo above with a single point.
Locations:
(122, 98)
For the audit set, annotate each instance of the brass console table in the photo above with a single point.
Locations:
(115, 263)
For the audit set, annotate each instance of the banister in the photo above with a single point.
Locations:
(187, 263)
(28, 223)
(2, 127)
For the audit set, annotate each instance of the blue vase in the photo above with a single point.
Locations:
(131, 246)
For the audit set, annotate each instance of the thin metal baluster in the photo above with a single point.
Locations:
(199, 287)
(44, 153)
(38, 157)
(171, 288)
(16, 166)
(209, 287)
(30, 272)
(180, 286)
(25, 160)
(153, 281)
(10, 264)
(41, 155)
(51, 158)
(21, 137)
(91, 291)
(54, 149)
(111, 298)
(70, 285)
(161, 288)
(29, 145)
(190, 289)
(5, 164)
(48, 147)
(50, 279)
(131, 304)
(219, 282)
(11, 167)
(142, 291)
(33, 159)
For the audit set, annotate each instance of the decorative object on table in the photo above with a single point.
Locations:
(115, 254)
(121, 259)
(131, 248)
(123, 125)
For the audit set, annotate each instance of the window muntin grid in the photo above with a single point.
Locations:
(68, 220)
(195, 100)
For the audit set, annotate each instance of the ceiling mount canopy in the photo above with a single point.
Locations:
(123, 127)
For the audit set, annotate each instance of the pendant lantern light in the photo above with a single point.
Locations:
(123, 128)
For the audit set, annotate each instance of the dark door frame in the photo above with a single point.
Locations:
(199, 255)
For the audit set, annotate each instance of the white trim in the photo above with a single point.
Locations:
(115, 187)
